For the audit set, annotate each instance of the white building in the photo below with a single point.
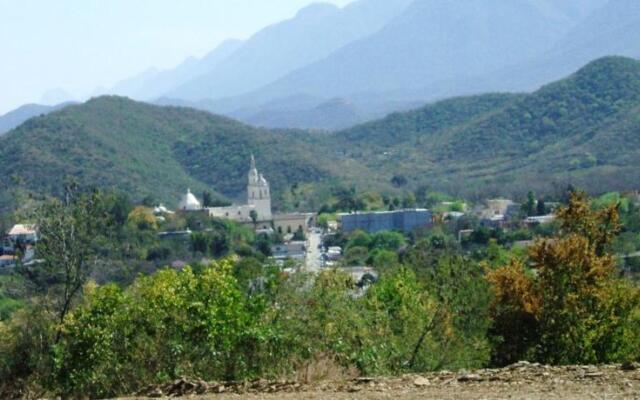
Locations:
(189, 202)
(258, 200)
(23, 233)
(258, 193)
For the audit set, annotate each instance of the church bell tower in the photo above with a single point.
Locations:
(258, 194)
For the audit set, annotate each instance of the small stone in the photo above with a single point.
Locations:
(594, 374)
(469, 378)
(421, 381)
(156, 393)
(519, 364)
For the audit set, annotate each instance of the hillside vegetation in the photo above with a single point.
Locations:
(582, 130)
(242, 319)
(147, 150)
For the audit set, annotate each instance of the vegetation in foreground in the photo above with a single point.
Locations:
(560, 303)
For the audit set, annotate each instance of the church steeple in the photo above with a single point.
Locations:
(258, 192)
(253, 172)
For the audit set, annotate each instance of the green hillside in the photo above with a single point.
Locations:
(147, 150)
(584, 130)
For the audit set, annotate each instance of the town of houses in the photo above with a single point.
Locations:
(304, 243)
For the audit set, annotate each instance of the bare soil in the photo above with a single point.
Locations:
(519, 381)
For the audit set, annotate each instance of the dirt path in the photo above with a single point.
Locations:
(520, 381)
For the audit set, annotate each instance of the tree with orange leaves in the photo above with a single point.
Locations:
(567, 307)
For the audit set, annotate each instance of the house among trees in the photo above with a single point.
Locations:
(294, 250)
(23, 234)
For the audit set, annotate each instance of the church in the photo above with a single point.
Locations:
(258, 201)
(258, 206)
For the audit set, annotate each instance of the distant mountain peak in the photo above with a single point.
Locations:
(317, 9)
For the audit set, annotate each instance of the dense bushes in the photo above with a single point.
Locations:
(204, 325)
(571, 307)
(432, 308)
(167, 325)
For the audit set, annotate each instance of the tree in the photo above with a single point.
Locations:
(199, 242)
(541, 208)
(219, 244)
(398, 181)
(514, 313)
(409, 201)
(166, 325)
(71, 238)
(530, 205)
(142, 218)
(299, 235)
(207, 199)
(572, 304)
(387, 240)
(253, 214)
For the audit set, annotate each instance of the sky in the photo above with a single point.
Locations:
(78, 46)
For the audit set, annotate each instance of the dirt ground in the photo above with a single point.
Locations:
(520, 381)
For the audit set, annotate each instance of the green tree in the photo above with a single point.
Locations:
(207, 199)
(408, 321)
(72, 238)
(165, 326)
(199, 242)
(299, 234)
(541, 208)
(529, 206)
(253, 214)
(387, 240)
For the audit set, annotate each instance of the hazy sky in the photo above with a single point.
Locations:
(80, 45)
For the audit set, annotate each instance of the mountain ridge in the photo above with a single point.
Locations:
(582, 130)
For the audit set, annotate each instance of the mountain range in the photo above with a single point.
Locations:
(411, 52)
(16, 117)
(582, 130)
(331, 68)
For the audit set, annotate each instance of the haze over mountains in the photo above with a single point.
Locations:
(16, 117)
(315, 32)
(582, 130)
(153, 83)
(331, 68)
(410, 52)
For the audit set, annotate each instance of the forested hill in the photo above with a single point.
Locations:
(147, 150)
(583, 130)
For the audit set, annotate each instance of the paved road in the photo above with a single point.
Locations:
(313, 260)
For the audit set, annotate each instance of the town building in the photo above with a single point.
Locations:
(290, 223)
(401, 220)
(295, 250)
(540, 219)
(498, 212)
(256, 212)
(258, 201)
(23, 234)
(8, 260)
(189, 202)
(259, 196)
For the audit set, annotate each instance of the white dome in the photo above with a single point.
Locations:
(189, 202)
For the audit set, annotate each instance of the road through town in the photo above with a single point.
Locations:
(313, 261)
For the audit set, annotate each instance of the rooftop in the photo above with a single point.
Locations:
(22, 229)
